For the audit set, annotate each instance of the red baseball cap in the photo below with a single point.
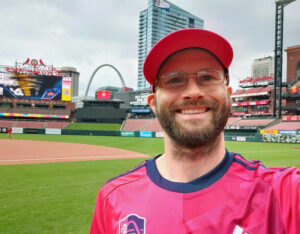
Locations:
(183, 39)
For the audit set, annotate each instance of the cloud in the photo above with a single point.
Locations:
(86, 34)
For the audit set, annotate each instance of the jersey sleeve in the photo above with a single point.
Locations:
(287, 186)
(97, 226)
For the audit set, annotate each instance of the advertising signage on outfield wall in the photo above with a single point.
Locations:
(127, 133)
(281, 138)
(145, 134)
(287, 132)
(30, 86)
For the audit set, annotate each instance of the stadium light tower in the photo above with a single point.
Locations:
(280, 4)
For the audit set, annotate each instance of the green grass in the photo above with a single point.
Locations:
(59, 197)
(53, 197)
(94, 126)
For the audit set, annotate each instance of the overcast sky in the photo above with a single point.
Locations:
(85, 34)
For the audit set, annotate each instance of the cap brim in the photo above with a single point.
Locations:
(183, 39)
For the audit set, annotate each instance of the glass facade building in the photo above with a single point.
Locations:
(159, 19)
(262, 67)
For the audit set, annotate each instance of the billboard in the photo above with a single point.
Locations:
(103, 94)
(31, 86)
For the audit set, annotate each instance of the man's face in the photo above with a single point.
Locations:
(194, 115)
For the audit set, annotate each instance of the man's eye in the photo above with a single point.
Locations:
(207, 78)
(174, 80)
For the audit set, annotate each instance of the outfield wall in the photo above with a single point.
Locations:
(282, 136)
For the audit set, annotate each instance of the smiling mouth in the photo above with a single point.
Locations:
(193, 110)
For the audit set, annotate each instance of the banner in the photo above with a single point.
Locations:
(3, 130)
(145, 134)
(269, 131)
(140, 110)
(1, 83)
(251, 103)
(290, 118)
(53, 131)
(280, 138)
(26, 115)
(103, 94)
(159, 134)
(240, 138)
(288, 132)
(66, 89)
(17, 130)
(127, 133)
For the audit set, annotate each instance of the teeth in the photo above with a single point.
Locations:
(193, 111)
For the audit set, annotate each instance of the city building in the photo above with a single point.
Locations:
(71, 72)
(159, 19)
(293, 63)
(292, 96)
(262, 67)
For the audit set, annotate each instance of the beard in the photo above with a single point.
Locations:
(198, 136)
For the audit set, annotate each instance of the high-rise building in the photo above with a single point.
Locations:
(262, 67)
(159, 19)
(71, 72)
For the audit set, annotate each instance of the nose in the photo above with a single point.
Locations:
(193, 90)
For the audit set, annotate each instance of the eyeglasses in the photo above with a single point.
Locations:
(178, 80)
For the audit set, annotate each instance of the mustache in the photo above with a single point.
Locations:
(188, 103)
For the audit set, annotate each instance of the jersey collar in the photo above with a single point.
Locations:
(200, 183)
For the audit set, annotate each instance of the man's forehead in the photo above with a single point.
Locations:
(182, 57)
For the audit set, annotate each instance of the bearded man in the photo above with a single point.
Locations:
(196, 186)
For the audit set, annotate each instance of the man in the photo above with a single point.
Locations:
(9, 131)
(196, 185)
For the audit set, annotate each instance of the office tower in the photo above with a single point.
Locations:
(159, 19)
(71, 72)
(263, 67)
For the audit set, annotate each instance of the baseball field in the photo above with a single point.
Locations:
(52, 189)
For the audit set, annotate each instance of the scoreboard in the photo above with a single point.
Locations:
(35, 86)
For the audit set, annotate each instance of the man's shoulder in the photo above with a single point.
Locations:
(251, 169)
(125, 178)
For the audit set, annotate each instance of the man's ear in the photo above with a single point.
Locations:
(151, 101)
(229, 90)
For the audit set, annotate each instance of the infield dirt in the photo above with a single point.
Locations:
(27, 151)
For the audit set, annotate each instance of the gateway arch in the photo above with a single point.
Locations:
(97, 69)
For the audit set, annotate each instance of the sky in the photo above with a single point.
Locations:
(86, 34)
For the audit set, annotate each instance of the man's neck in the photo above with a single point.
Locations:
(180, 164)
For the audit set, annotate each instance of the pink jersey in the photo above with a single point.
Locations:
(238, 196)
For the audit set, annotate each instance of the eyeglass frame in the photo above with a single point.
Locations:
(224, 74)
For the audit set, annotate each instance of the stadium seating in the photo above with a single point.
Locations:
(30, 124)
(253, 122)
(153, 126)
(285, 126)
(6, 123)
(232, 120)
(60, 112)
(135, 124)
(266, 89)
(239, 92)
(56, 124)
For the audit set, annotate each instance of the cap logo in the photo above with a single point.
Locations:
(132, 224)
